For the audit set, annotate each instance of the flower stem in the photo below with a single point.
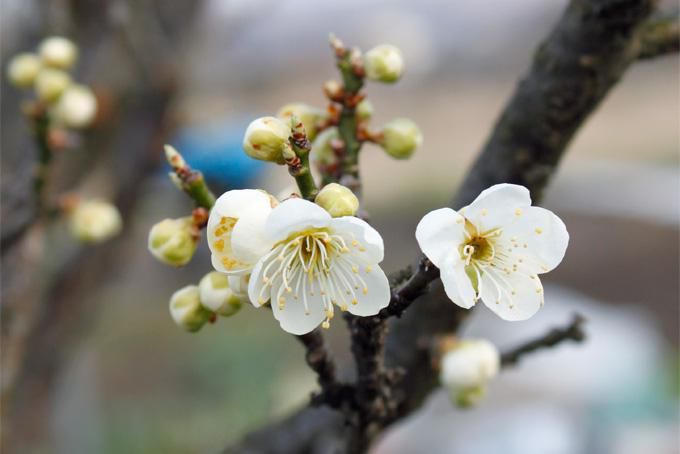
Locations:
(189, 180)
(298, 161)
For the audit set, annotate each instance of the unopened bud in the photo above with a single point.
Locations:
(76, 107)
(333, 89)
(384, 64)
(401, 137)
(94, 221)
(265, 137)
(337, 200)
(466, 369)
(322, 149)
(51, 83)
(186, 309)
(22, 69)
(364, 110)
(217, 296)
(308, 115)
(173, 157)
(58, 52)
(173, 241)
(239, 285)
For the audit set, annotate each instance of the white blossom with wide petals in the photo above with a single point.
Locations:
(494, 249)
(236, 232)
(316, 262)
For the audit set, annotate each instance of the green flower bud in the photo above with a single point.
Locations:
(94, 221)
(308, 115)
(364, 110)
(217, 296)
(58, 52)
(22, 70)
(337, 200)
(51, 83)
(173, 241)
(384, 64)
(401, 137)
(186, 309)
(322, 152)
(264, 139)
(76, 107)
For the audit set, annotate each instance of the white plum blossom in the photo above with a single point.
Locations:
(236, 232)
(467, 368)
(316, 262)
(494, 249)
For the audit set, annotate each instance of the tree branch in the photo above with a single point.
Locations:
(574, 331)
(660, 37)
(584, 56)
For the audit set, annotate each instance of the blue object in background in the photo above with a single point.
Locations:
(216, 150)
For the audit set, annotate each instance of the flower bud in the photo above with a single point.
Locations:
(308, 115)
(173, 241)
(337, 200)
(58, 52)
(364, 110)
(467, 367)
(265, 137)
(22, 69)
(333, 89)
(51, 83)
(217, 296)
(186, 309)
(401, 137)
(94, 221)
(76, 107)
(384, 64)
(322, 150)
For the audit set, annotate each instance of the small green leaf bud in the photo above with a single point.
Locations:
(94, 221)
(173, 241)
(338, 200)
(22, 69)
(265, 137)
(51, 83)
(308, 115)
(186, 309)
(76, 107)
(384, 63)
(58, 52)
(364, 110)
(217, 296)
(401, 137)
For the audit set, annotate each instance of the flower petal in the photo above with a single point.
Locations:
(497, 205)
(512, 297)
(257, 295)
(352, 228)
(377, 294)
(439, 233)
(456, 282)
(235, 203)
(239, 285)
(541, 238)
(294, 317)
(295, 215)
(249, 240)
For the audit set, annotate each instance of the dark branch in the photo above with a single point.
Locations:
(660, 37)
(573, 332)
(415, 285)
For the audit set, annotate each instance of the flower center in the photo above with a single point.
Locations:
(313, 263)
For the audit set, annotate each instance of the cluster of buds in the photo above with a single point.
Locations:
(216, 294)
(466, 368)
(69, 104)
(93, 221)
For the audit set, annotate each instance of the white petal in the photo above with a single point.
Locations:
(542, 238)
(237, 202)
(512, 297)
(456, 282)
(497, 205)
(295, 215)
(377, 295)
(255, 293)
(439, 233)
(352, 228)
(293, 318)
(249, 240)
(239, 285)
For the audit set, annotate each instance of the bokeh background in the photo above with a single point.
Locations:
(111, 372)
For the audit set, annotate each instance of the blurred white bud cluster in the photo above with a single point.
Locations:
(69, 104)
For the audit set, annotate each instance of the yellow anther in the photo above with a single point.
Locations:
(365, 290)
(518, 211)
(368, 269)
(355, 269)
(343, 308)
(538, 230)
(219, 245)
(326, 324)
(485, 211)
(355, 243)
(355, 302)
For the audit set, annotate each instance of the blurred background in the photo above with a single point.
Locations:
(108, 370)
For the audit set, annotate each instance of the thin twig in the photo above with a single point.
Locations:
(660, 37)
(573, 332)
